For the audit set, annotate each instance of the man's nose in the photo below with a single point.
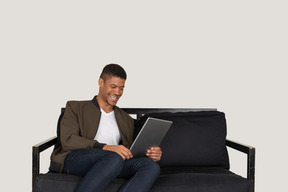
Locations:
(118, 91)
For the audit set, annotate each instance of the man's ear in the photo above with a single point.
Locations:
(100, 82)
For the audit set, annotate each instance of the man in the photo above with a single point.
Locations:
(95, 140)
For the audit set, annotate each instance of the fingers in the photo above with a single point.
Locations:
(120, 150)
(155, 153)
(124, 152)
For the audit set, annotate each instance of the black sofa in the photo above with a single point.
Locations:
(195, 156)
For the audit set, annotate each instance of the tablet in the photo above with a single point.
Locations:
(151, 134)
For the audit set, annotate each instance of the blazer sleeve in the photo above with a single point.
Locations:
(70, 131)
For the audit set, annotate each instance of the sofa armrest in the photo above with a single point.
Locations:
(250, 151)
(36, 150)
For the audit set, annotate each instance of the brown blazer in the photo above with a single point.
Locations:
(79, 126)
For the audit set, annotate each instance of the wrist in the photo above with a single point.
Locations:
(99, 145)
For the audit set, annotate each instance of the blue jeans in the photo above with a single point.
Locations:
(99, 167)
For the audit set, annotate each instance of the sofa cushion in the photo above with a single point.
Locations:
(184, 179)
(194, 139)
(56, 182)
(200, 179)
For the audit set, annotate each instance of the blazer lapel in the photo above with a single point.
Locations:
(122, 127)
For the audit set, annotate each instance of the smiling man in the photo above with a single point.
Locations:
(95, 139)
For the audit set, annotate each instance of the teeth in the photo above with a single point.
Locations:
(113, 97)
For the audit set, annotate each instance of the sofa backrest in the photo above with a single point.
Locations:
(195, 139)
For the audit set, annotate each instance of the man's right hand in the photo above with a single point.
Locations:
(120, 149)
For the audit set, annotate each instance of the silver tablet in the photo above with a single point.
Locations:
(151, 134)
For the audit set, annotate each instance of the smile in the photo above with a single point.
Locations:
(113, 97)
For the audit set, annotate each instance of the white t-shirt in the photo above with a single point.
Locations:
(108, 131)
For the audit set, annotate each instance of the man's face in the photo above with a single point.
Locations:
(111, 89)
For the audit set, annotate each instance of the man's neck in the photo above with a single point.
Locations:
(104, 106)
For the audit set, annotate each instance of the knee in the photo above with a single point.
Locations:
(114, 159)
(152, 167)
(155, 167)
(113, 163)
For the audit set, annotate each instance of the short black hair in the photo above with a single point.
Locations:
(113, 70)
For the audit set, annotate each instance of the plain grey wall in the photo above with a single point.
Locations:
(223, 54)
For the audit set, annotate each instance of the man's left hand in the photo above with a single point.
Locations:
(155, 153)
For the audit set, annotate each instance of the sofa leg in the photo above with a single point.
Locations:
(251, 168)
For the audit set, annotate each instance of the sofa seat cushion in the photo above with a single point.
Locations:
(174, 179)
(200, 180)
(56, 182)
